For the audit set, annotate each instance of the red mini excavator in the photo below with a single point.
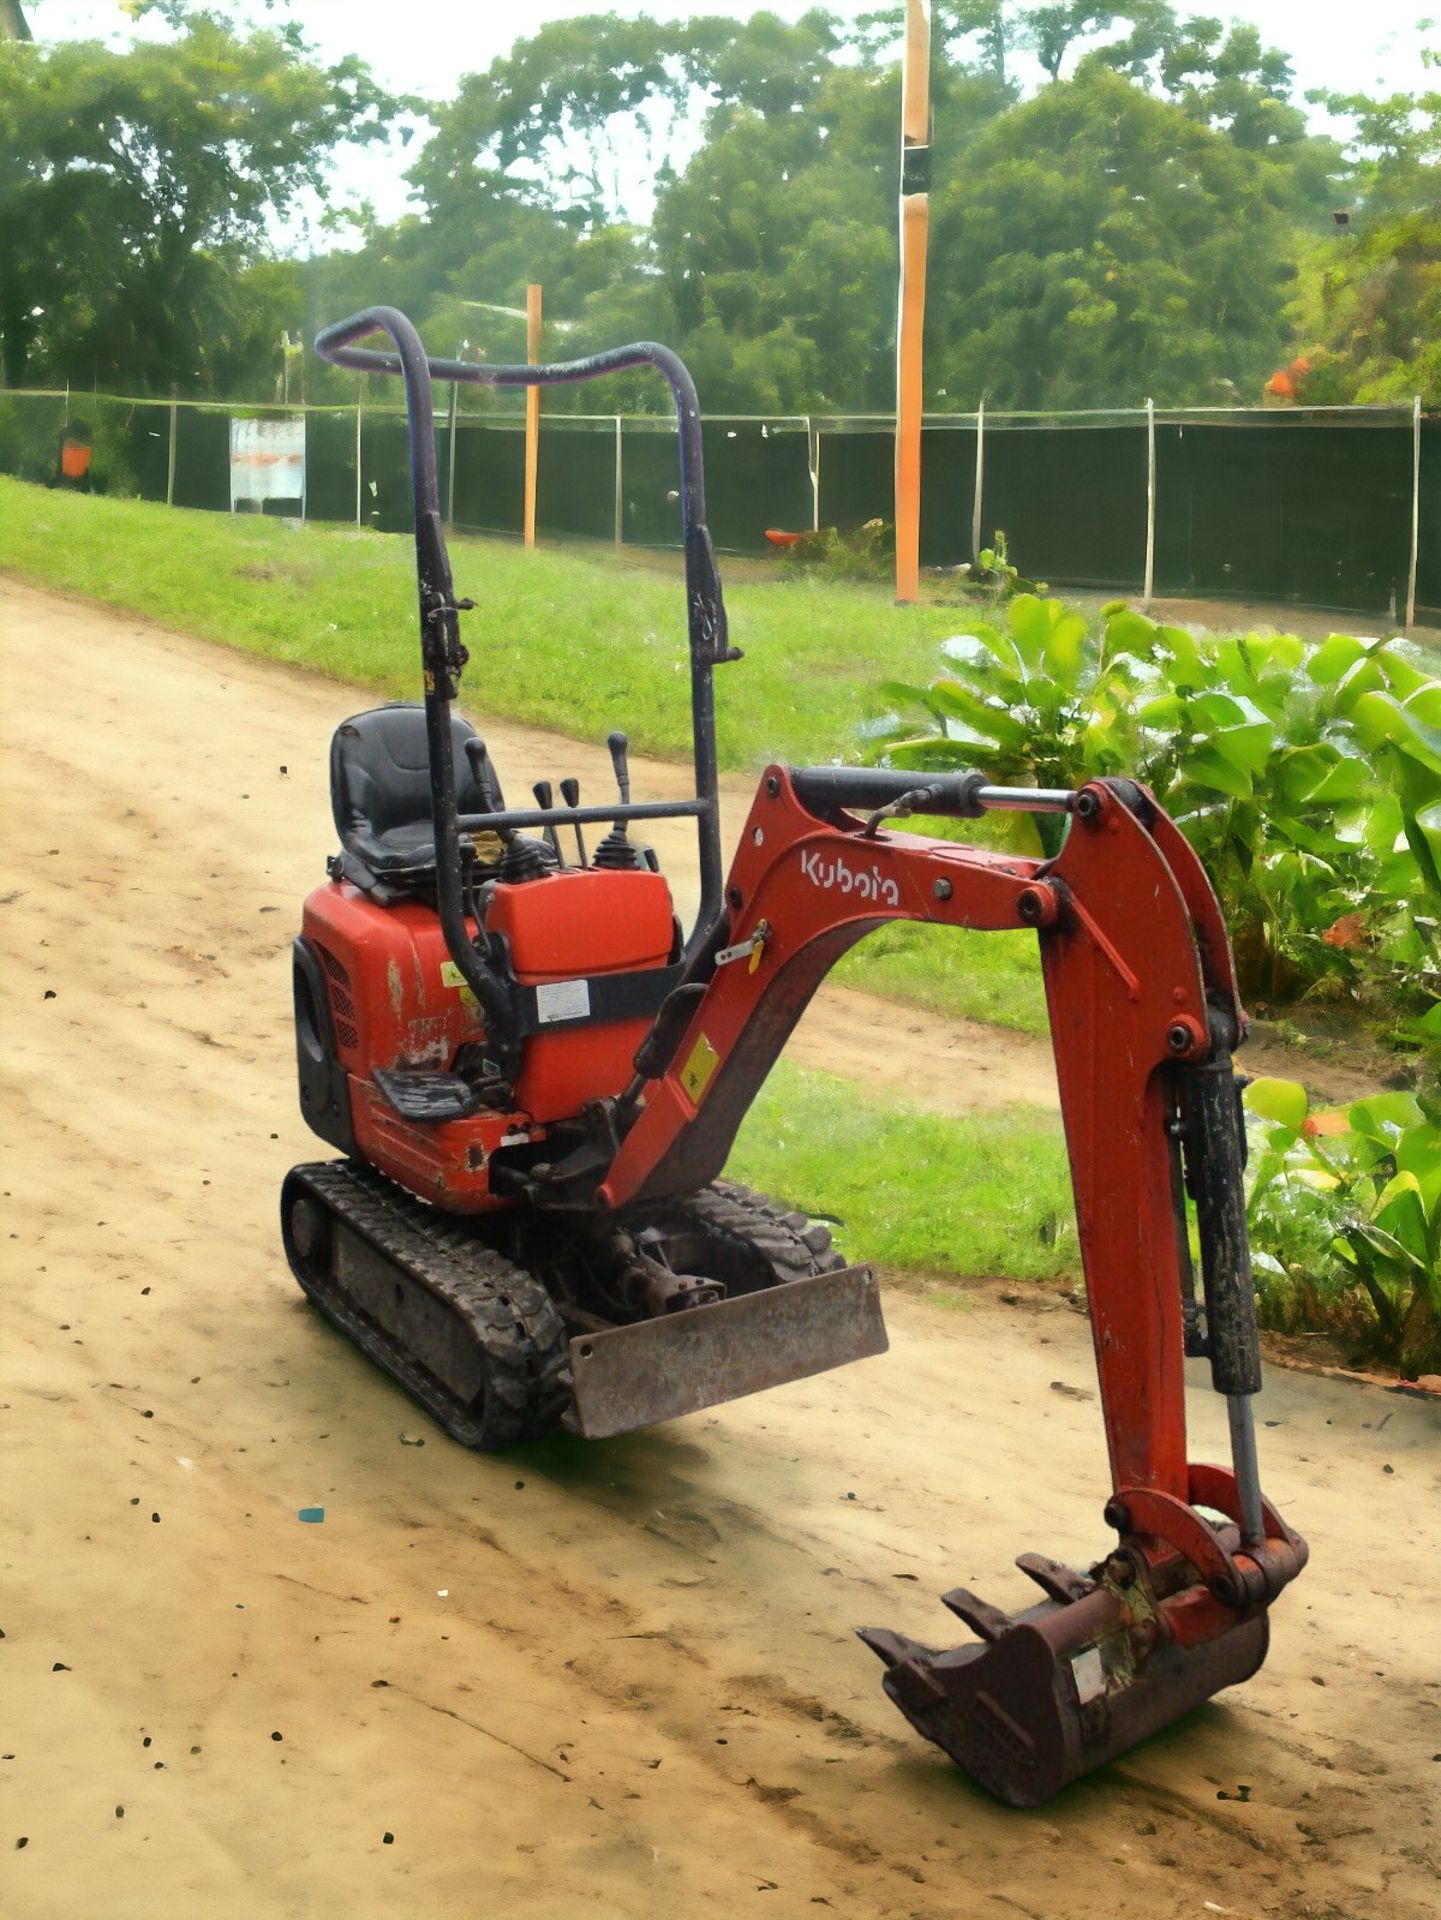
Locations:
(534, 1077)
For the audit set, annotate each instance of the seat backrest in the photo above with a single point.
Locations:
(380, 773)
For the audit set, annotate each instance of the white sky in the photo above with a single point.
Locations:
(423, 46)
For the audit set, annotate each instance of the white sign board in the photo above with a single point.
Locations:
(267, 461)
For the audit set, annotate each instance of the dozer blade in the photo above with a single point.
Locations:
(1057, 1690)
(677, 1363)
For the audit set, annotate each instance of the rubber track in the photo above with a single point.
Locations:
(511, 1316)
(792, 1245)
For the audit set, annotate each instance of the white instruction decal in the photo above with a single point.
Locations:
(562, 1000)
(1089, 1675)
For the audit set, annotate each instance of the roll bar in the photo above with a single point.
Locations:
(444, 657)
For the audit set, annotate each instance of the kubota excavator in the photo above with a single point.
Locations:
(534, 1078)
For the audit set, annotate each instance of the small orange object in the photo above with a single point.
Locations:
(75, 459)
(778, 538)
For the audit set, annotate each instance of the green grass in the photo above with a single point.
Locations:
(995, 977)
(578, 643)
(915, 1191)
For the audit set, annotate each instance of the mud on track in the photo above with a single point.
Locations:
(614, 1680)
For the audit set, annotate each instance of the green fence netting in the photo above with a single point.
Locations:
(1312, 508)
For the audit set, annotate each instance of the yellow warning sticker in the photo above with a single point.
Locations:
(695, 1075)
(451, 976)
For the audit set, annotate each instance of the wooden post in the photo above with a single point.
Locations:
(359, 410)
(1415, 512)
(170, 459)
(813, 462)
(619, 487)
(911, 298)
(976, 520)
(532, 410)
(1150, 505)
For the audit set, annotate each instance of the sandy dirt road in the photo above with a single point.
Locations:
(614, 1680)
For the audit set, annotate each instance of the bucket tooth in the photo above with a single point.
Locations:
(892, 1648)
(1055, 1579)
(979, 1615)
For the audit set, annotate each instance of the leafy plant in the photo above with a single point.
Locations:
(1345, 1215)
(1307, 776)
(865, 554)
(991, 575)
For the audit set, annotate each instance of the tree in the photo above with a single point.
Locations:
(135, 186)
(564, 106)
(1099, 245)
(1371, 298)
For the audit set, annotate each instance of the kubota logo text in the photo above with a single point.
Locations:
(836, 877)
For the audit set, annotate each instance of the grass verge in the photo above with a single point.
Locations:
(915, 1191)
(576, 643)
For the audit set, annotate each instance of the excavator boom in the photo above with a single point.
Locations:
(1144, 1016)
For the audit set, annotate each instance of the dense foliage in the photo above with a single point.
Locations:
(137, 193)
(1307, 776)
(1345, 1216)
(1156, 217)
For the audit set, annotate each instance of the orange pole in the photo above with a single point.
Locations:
(911, 299)
(532, 410)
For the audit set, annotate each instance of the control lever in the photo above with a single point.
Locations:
(570, 793)
(521, 858)
(481, 774)
(545, 800)
(618, 744)
(616, 851)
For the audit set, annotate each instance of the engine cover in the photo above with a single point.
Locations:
(397, 1001)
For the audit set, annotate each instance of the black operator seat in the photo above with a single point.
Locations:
(380, 797)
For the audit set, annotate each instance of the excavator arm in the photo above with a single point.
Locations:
(1144, 1016)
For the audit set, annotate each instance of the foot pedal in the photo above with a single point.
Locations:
(427, 1098)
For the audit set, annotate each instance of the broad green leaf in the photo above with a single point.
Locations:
(1207, 768)
(1405, 679)
(1423, 835)
(1333, 657)
(1187, 666)
(902, 692)
(1065, 648)
(1131, 632)
(1362, 677)
(1388, 1244)
(1217, 710)
(1346, 780)
(1425, 703)
(1283, 1100)
(1316, 1178)
(965, 647)
(1001, 648)
(1030, 626)
(925, 755)
(1247, 747)
(1418, 1153)
(1381, 718)
(1164, 711)
(1384, 1116)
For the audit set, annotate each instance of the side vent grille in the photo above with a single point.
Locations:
(341, 1004)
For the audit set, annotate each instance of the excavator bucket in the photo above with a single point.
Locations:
(1053, 1692)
